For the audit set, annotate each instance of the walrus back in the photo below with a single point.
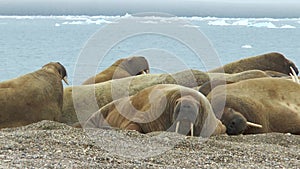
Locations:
(30, 98)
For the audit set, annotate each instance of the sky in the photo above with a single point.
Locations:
(218, 8)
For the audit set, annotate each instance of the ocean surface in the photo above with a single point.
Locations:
(78, 42)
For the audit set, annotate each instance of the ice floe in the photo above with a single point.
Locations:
(288, 27)
(218, 23)
(246, 46)
(279, 23)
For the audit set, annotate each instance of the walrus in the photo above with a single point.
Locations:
(124, 67)
(217, 79)
(267, 62)
(33, 97)
(163, 107)
(272, 104)
(83, 100)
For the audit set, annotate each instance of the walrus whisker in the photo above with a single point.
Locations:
(253, 124)
(177, 126)
(192, 129)
(294, 75)
(66, 80)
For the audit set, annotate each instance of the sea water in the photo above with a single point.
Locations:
(29, 42)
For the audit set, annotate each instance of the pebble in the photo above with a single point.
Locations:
(49, 144)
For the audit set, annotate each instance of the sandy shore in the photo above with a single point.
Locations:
(54, 145)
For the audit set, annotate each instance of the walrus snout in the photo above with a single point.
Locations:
(292, 68)
(235, 122)
(185, 115)
(184, 127)
(237, 125)
(145, 71)
(135, 65)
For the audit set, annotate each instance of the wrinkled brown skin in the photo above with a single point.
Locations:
(272, 102)
(157, 108)
(81, 101)
(124, 67)
(217, 79)
(32, 97)
(267, 62)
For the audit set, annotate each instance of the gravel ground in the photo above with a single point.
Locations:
(50, 144)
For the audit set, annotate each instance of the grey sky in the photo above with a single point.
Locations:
(220, 8)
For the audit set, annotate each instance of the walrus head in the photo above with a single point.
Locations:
(185, 115)
(56, 67)
(280, 63)
(135, 65)
(235, 122)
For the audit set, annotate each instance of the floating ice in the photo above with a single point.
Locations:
(263, 25)
(287, 27)
(149, 22)
(214, 21)
(74, 23)
(97, 22)
(246, 46)
(191, 26)
(87, 22)
(57, 24)
(243, 22)
(218, 23)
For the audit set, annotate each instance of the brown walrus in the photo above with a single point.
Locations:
(267, 62)
(32, 97)
(274, 103)
(81, 101)
(124, 67)
(163, 107)
(217, 79)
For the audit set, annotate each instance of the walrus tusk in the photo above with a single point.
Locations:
(253, 124)
(294, 75)
(65, 80)
(177, 126)
(143, 72)
(293, 78)
(192, 129)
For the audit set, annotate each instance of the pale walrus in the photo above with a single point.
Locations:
(273, 103)
(32, 97)
(164, 107)
(275, 62)
(124, 67)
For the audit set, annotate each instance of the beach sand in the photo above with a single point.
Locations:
(48, 144)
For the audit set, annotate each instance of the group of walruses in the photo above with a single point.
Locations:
(257, 94)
